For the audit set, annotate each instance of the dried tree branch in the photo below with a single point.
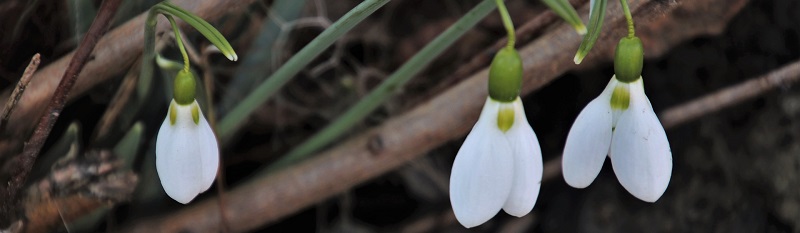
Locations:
(782, 77)
(114, 53)
(17, 93)
(410, 135)
(99, 27)
(76, 186)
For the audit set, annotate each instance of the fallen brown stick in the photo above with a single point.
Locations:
(114, 53)
(76, 186)
(731, 95)
(18, 90)
(99, 26)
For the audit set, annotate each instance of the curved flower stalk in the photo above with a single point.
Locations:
(621, 123)
(499, 166)
(187, 154)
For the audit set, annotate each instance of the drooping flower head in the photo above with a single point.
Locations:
(621, 123)
(187, 155)
(499, 166)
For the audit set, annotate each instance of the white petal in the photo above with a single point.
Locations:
(640, 152)
(588, 141)
(482, 172)
(527, 165)
(591, 7)
(187, 155)
(209, 156)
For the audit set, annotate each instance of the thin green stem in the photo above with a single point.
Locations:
(179, 41)
(148, 55)
(386, 89)
(252, 68)
(512, 37)
(628, 17)
(238, 115)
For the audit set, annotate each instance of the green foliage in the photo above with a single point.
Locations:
(595, 25)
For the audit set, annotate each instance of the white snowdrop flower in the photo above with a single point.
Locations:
(499, 166)
(187, 155)
(620, 123)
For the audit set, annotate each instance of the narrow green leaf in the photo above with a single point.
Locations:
(200, 25)
(596, 17)
(387, 88)
(232, 120)
(148, 54)
(128, 147)
(563, 9)
(253, 69)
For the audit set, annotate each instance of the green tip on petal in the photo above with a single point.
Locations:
(505, 75)
(505, 119)
(173, 114)
(621, 97)
(629, 59)
(196, 114)
(184, 90)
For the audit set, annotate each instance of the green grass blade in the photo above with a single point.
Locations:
(386, 89)
(595, 26)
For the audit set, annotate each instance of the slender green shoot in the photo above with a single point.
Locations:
(563, 9)
(252, 69)
(386, 89)
(596, 17)
(179, 41)
(238, 115)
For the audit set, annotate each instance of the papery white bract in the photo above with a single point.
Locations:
(187, 155)
(496, 170)
(632, 137)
